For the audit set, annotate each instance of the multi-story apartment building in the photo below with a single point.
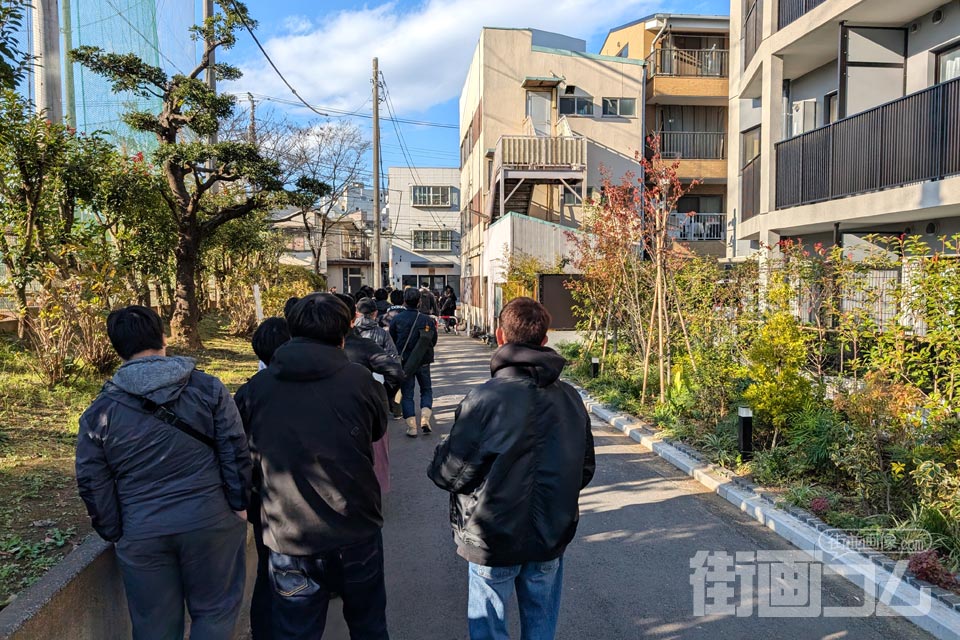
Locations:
(539, 117)
(848, 114)
(345, 248)
(424, 235)
(688, 64)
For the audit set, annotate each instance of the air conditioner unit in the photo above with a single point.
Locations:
(804, 116)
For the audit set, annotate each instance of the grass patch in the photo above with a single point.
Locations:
(41, 516)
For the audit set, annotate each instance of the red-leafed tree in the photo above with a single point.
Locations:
(628, 258)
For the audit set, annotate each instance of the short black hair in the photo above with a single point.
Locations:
(288, 306)
(349, 301)
(411, 297)
(134, 329)
(322, 317)
(396, 297)
(380, 294)
(270, 336)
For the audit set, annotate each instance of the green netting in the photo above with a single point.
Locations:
(155, 30)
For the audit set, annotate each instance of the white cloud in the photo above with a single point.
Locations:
(424, 50)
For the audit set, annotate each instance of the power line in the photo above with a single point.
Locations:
(341, 113)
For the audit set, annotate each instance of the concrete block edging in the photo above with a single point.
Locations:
(797, 526)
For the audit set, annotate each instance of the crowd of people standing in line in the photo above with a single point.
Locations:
(171, 468)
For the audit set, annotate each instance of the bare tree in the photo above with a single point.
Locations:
(321, 162)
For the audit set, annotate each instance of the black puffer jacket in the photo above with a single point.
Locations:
(142, 478)
(368, 354)
(312, 417)
(518, 455)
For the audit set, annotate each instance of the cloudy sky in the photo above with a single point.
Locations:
(324, 48)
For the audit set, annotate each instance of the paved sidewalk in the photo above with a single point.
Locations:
(627, 574)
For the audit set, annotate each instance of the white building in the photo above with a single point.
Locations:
(424, 229)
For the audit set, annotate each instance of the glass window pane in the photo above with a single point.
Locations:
(609, 106)
(948, 64)
(628, 107)
(585, 106)
(568, 106)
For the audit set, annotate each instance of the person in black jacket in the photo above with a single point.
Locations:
(272, 334)
(519, 454)
(172, 498)
(313, 417)
(407, 329)
(428, 302)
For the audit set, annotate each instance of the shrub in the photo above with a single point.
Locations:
(778, 387)
(927, 566)
(820, 506)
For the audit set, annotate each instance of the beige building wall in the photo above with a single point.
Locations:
(493, 104)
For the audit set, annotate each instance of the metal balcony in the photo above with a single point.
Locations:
(695, 63)
(912, 139)
(693, 145)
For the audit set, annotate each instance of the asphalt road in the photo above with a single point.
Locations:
(627, 575)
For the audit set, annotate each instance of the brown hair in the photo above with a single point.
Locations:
(525, 321)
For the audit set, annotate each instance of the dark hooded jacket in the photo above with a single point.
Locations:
(312, 416)
(369, 355)
(518, 454)
(411, 320)
(142, 478)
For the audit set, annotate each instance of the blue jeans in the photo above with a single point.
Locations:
(303, 585)
(538, 586)
(408, 390)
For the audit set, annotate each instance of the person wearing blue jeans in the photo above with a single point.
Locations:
(538, 586)
(407, 329)
(519, 453)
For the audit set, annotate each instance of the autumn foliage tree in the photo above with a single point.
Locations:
(629, 261)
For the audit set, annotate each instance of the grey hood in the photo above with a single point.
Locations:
(157, 378)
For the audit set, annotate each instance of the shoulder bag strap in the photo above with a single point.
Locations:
(165, 415)
(410, 335)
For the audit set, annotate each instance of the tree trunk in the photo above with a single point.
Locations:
(185, 325)
(21, 293)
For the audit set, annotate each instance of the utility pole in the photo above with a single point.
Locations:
(46, 48)
(377, 271)
(252, 127)
(211, 78)
(70, 91)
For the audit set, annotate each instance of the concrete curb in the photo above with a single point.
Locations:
(803, 530)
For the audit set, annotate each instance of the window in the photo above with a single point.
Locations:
(576, 106)
(570, 199)
(948, 64)
(426, 196)
(750, 140)
(352, 246)
(432, 240)
(623, 107)
(832, 112)
(625, 52)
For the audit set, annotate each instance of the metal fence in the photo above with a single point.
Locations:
(912, 139)
(700, 145)
(790, 10)
(712, 63)
(697, 227)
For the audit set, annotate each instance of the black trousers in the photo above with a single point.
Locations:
(260, 603)
(206, 568)
(303, 585)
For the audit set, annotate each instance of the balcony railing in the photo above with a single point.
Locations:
(752, 31)
(912, 139)
(750, 189)
(540, 152)
(693, 145)
(698, 227)
(790, 10)
(711, 63)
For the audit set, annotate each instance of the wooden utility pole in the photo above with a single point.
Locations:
(377, 271)
(46, 48)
